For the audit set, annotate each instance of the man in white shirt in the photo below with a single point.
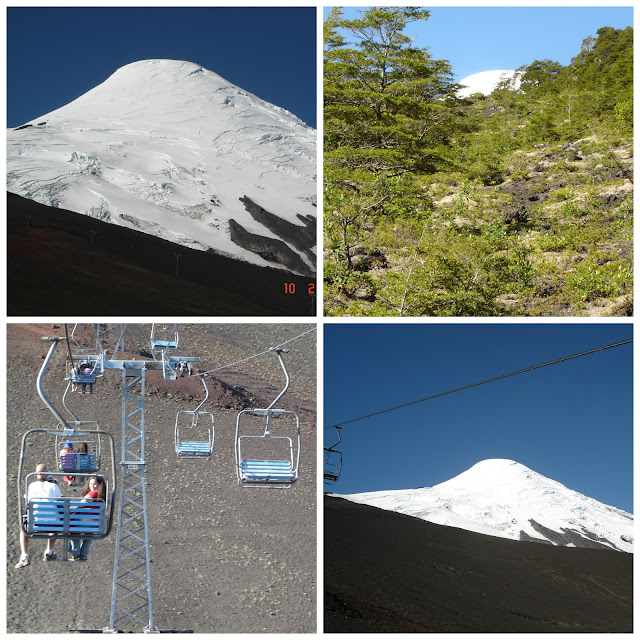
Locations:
(40, 488)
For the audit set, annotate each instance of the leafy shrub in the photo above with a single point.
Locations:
(591, 281)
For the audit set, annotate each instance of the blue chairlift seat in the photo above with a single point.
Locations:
(194, 434)
(79, 375)
(273, 471)
(187, 448)
(68, 517)
(164, 344)
(264, 466)
(164, 337)
(78, 462)
(267, 471)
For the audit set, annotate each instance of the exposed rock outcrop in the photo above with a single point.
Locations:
(302, 238)
(568, 537)
(270, 249)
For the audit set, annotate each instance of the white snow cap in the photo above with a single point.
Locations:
(169, 148)
(503, 498)
(486, 81)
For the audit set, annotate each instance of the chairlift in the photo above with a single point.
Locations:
(87, 454)
(84, 373)
(64, 517)
(163, 338)
(164, 341)
(83, 459)
(67, 516)
(332, 461)
(279, 458)
(195, 431)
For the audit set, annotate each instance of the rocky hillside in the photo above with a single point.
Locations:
(519, 203)
(551, 234)
(569, 208)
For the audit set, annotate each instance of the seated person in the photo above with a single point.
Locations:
(42, 487)
(94, 489)
(68, 448)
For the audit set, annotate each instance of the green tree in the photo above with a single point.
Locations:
(605, 67)
(540, 77)
(386, 103)
(388, 118)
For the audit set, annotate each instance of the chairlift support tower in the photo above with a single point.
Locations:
(131, 592)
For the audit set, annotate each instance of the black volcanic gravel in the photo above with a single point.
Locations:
(387, 572)
(65, 263)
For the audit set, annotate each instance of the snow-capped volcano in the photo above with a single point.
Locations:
(486, 81)
(172, 149)
(506, 499)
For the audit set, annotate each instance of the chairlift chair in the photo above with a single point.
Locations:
(86, 372)
(67, 516)
(58, 517)
(272, 469)
(332, 461)
(162, 338)
(195, 431)
(268, 470)
(80, 462)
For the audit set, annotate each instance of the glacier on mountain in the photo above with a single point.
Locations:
(503, 498)
(172, 149)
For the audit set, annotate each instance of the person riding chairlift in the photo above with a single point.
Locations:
(85, 371)
(66, 449)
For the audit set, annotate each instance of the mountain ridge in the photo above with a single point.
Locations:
(58, 260)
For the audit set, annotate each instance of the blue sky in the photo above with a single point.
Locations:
(571, 421)
(55, 55)
(476, 39)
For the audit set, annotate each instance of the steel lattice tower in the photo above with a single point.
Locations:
(131, 596)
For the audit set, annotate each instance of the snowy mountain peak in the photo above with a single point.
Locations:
(507, 499)
(172, 149)
(492, 473)
(486, 81)
(159, 88)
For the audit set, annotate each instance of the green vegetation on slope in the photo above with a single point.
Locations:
(515, 204)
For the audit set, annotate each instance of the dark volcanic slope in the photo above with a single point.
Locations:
(64, 263)
(386, 572)
(223, 559)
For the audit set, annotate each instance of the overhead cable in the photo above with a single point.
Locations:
(476, 384)
(226, 366)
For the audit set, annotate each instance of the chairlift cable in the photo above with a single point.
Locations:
(476, 384)
(66, 333)
(226, 366)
